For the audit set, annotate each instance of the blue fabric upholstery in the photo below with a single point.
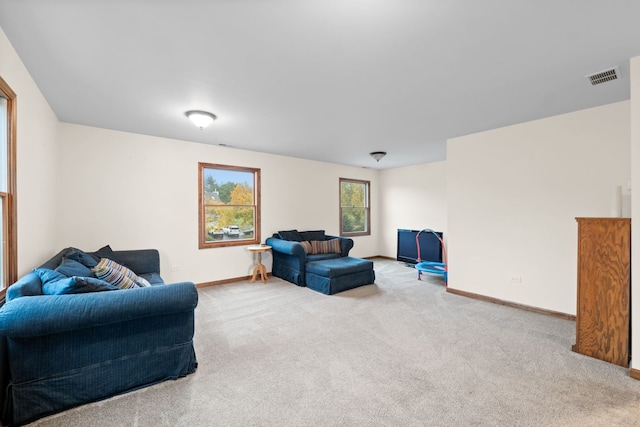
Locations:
(320, 257)
(82, 257)
(339, 266)
(292, 235)
(70, 267)
(56, 283)
(313, 235)
(27, 286)
(290, 260)
(66, 350)
(339, 274)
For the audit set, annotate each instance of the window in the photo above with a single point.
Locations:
(354, 208)
(8, 245)
(229, 205)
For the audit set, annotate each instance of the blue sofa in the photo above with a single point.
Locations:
(329, 272)
(67, 349)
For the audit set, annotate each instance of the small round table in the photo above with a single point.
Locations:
(259, 249)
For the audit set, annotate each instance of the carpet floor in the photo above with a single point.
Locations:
(400, 352)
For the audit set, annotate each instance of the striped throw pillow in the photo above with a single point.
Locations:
(306, 246)
(325, 246)
(115, 274)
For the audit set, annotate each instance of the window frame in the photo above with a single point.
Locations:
(8, 203)
(367, 207)
(202, 243)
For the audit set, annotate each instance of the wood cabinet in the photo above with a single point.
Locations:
(604, 285)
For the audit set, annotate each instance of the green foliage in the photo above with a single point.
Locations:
(233, 206)
(241, 195)
(210, 186)
(225, 190)
(352, 194)
(354, 206)
(354, 220)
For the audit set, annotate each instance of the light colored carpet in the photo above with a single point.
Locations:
(401, 352)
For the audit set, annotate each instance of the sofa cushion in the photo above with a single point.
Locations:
(56, 283)
(116, 274)
(313, 235)
(337, 267)
(70, 267)
(152, 278)
(291, 235)
(320, 257)
(325, 246)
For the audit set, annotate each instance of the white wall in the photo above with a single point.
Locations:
(413, 197)
(513, 194)
(635, 206)
(135, 191)
(37, 165)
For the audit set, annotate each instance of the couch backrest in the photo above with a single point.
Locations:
(142, 261)
(346, 243)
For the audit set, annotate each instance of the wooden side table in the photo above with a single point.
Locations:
(259, 249)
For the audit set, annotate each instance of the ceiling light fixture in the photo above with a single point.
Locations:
(378, 155)
(202, 119)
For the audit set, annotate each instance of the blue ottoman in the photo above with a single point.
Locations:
(335, 275)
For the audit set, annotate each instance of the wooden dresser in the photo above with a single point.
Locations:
(604, 285)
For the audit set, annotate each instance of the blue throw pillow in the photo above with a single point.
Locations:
(55, 283)
(106, 252)
(313, 235)
(70, 268)
(103, 252)
(291, 235)
(48, 275)
(82, 257)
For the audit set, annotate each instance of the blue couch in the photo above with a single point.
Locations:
(64, 350)
(326, 268)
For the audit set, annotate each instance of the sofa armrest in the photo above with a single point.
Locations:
(287, 247)
(346, 244)
(49, 314)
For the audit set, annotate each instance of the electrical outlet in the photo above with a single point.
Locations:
(516, 279)
(175, 268)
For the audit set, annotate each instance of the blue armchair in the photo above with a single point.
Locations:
(61, 351)
(290, 258)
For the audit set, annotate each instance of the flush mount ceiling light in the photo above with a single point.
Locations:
(202, 119)
(378, 155)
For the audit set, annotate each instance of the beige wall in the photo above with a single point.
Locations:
(37, 167)
(513, 194)
(137, 191)
(413, 197)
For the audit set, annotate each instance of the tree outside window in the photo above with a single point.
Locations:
(229, 205)
(354, 208)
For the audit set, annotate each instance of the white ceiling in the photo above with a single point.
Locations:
(330, 80)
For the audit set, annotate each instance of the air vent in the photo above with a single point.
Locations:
(603, 76)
